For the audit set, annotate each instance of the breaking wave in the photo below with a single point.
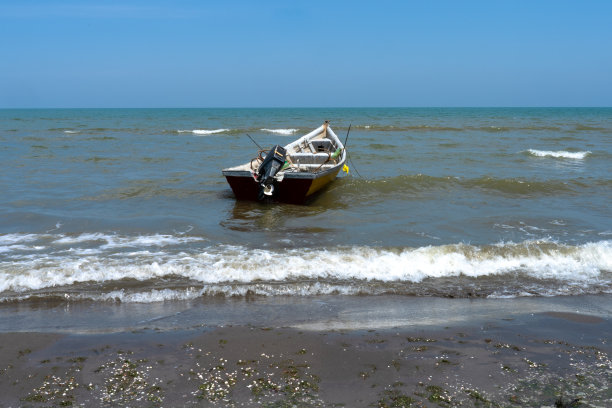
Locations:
(559, 154)
(280, 131)
(109, 267)
(203, 131)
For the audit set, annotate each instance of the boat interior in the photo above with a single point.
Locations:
(307, 154)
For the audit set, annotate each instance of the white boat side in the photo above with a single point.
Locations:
(304, 158)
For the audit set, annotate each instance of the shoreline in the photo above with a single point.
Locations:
(312, 352)
(325, 312)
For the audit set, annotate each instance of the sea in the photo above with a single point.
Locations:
(130, 206)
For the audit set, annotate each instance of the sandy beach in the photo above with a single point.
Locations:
(506, 352)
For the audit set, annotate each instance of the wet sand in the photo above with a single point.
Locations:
(556, 354)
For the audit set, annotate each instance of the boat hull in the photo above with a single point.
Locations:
(293, 190)
(308, 165)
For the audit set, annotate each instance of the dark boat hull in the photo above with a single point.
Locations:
(296, 172)
(293, 190)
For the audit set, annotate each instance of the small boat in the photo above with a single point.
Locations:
(292, 173)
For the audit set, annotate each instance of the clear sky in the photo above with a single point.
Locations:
(133, 53)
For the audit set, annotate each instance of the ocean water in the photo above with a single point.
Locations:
(129, 205)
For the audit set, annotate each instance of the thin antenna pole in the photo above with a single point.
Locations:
(260, 148)
(347, 135)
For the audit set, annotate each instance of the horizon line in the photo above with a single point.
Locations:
(318, 107)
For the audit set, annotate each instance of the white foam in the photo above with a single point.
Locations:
(120, 241)
(503, 226)
(204, 131)
(84, 251)
(280, 131)
(498, 295)
(588, 264)
(140, 254)
(71, 131)
(62, 239)
(9, 248)
(9, 239)
(148, 240)
(17, 248)
(559, 154)
(155, 295)
(143, 297)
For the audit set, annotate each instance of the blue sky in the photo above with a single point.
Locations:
(305, 53)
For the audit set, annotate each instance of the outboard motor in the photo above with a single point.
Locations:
(272, 164)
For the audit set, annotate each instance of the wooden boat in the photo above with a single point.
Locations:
(292, 173)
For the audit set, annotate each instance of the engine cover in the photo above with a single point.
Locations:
(272, 163)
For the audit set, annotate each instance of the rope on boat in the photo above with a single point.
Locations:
(259, 159)
(329, 157)
(353, 165)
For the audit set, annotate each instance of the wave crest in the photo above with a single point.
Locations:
(122, 270)
(561, 154)
(280, 131)
(203, 131)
